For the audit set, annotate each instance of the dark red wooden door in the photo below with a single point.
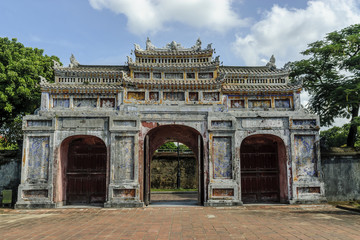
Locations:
(86, 172)
(259, 174)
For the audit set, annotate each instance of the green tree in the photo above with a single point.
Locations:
(173, 146)
(331, 74)
(168, 145)
(20, 68)
(336, 137)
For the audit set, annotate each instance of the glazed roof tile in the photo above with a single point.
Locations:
(81, 86)
(172, 65)
(180, 52)
(94, 68)
(264, 88)
(263, 70)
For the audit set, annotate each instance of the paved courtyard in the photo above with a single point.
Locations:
(182, 222)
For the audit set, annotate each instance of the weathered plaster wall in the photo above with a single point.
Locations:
(341, 172)
(10, 171)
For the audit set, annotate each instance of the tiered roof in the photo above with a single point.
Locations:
(228, 78)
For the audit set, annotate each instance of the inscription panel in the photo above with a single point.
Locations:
(262, 123)
(83, 122)
(221, 124)
(125, 123)
(39, 123)
(124, 158)
(222, 157)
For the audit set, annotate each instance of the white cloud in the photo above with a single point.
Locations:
(286, 32)
(153, 15)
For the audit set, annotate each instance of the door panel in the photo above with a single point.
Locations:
(86, 173)
(259, 177)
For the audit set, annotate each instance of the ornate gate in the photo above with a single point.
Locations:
(259, 171)
(86, 172)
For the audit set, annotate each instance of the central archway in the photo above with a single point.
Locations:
(176, 133)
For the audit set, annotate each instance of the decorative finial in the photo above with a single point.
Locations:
(271, 63)
(137, 47)
(73, 61)
(197, 46)
(149, 45)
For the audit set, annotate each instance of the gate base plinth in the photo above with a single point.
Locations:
(123, 204)
(34, 205)
(222, 203)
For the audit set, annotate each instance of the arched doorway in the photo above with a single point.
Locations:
(84, 167)
(176, 133)
(263, 169)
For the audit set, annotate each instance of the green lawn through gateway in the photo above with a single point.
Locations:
(173, 190)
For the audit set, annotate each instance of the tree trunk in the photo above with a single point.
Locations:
(353, 128)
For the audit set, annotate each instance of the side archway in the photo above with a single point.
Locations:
(263, 169)
(82, 171)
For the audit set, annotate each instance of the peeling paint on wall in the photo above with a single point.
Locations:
(124, 160)
(211, 96)
(282, 103)
(222, 157)
(38, 158)
(107, 102)
(136, 96)
(90, 102)
(61, 103)
(305, 156)
(259, 103)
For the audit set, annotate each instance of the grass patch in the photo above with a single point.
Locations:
(10, 147)
(173, 190)
(352, 204)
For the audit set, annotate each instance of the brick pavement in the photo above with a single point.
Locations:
(176, 196)
(245, 222)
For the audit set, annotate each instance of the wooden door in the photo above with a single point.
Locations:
(86, 173)
(259, 177)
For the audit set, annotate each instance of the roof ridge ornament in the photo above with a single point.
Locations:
(129, 59)
(73, 62)
(197, 46)
(271, 63)
(43, 81)
(173, 46)
(149, 45)
(56, 64)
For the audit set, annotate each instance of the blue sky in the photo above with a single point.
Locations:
(243, 32)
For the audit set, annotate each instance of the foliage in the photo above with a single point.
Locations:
(331, 74)
(337, 136)
(173, 146)
(20, 68)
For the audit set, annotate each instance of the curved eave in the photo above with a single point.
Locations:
(253, 71)
(92, 68)
(55, 87)
(259, 88)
